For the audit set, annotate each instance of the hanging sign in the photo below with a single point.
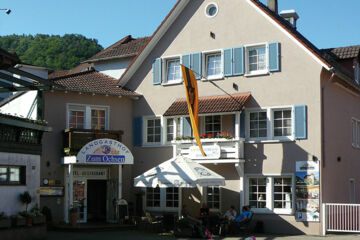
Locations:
(211, 151)
(105, 151)
(307, 191)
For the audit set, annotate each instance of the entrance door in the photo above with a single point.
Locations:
(96, 200)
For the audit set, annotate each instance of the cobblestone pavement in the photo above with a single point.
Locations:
(135, 235)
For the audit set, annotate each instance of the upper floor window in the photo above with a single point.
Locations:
(173, 72)
(213, 65)
(213, 125)
(258, 124)
(153, 130)
(13, 175)
(355, 133)
(282, 123)
(88, 117)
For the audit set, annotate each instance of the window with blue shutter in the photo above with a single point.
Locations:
(228, 59)
(157, 71)
(300, 122)
(242, 124)
(238, 68)
(137, 131)
(274, 63)
(185, 60)
(196, 64)
(186, 127)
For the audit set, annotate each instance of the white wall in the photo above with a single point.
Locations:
(10, 203)
(113, 68)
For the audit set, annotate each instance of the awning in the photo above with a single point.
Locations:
(211, 104)
(179, 172)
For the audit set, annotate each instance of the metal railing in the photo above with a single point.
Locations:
(339, 217)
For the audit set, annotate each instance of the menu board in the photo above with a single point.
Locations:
(307, 191)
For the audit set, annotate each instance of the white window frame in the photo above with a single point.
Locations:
(258, 72)
(270, 193)
(204, 64)
(165, 61)
(162, 207)
(175, 129)
(87, 115)
(205, 193)
(270, 124)
(355, 132)
(213, 115)
(145, 125)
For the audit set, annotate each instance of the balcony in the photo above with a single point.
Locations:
(218, 150)
(75, 139)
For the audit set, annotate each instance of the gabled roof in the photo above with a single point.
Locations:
(93, 82)
(342, 53)
(126, 47)
(211, 104)
(324, 58)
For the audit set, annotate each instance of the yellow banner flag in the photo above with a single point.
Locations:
(192, 98)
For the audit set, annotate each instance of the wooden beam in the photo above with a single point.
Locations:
(19, 89)
(17, 80)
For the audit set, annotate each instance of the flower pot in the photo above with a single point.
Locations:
(5, 223)
(19, 222)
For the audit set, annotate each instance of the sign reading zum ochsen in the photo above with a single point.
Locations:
(105, 151)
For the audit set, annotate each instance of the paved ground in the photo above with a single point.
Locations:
(135, 235)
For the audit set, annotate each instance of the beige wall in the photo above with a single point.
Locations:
(55, 107)
(340, 107)
(237, 24)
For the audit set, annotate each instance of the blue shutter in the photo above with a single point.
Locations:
(238, 68)
(185, 60)
(274, 63)
(196, 64)
(186, 124)
(300, 122)
(137, 131)
(228, 71)
(157, 71)
(242, 124)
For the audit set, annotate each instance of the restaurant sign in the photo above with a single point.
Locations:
(105, 151)
(211, 151)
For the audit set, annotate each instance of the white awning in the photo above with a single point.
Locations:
(179, 172)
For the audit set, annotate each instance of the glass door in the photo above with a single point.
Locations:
(79, 199)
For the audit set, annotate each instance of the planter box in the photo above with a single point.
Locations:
(5, 223)
(39, 220)
(19, 222)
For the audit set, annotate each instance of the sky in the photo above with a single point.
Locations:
(326, 23)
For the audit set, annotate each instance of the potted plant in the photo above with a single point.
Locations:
(26, 199)
(73, 214)
(5, 222)
(37, 216)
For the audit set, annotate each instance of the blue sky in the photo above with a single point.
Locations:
(327, 23)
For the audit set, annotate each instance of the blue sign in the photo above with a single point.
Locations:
(105, 158)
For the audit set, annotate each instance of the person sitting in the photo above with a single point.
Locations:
(204, 214)
(230, 214)
(244, 216)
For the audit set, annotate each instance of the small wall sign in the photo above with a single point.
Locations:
(211, 151)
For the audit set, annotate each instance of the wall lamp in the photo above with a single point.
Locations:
(7, 11)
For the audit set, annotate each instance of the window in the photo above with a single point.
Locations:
(258, 125)
(76, 119)
(256, 58)
(153, 130)
(88, 117)
(172, 197)
(213, 125)
(355, 132)
(282, 123)
(211, 10)
(13, 175)
(213, 197)
(272, 193)
(213, 65)
(153, 197)
(162, 198)
(357, 71)
(97, 119)
(170, 127)
(173, 70)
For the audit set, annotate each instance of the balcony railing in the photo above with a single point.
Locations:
(216, 149)
(75, 139)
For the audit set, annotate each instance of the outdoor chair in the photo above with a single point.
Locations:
(243, 228)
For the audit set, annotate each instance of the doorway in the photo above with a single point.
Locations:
(96, 200)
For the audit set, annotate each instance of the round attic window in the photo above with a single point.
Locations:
(211, 10)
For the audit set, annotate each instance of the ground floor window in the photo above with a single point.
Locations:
(213, 197)
(162, 198)
(13, 175)
(274, 193)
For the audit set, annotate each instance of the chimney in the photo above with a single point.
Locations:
(273, 5)
(291, 16)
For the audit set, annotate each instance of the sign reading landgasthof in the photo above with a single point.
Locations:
(105, 151)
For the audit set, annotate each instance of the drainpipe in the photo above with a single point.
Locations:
(332, 70)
